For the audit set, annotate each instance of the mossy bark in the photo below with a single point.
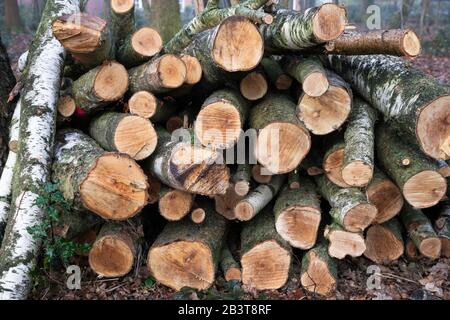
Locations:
(442, 227)
(122, 26)
(301, 67)
(275, 73)
(227, 261)
(103, 129)
(37, 127)
(397, 90)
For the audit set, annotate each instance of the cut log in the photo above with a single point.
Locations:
(444, 168)
(111, 185)
(221, 119)
(226, 203)
(187, 167)
(241, 180)
(292, 31)
(442, 227)
(139, 47)
(66, 106)
(358, 162)
(384, 242)
(385, 195)
(421, 232)
(294, 179)
(254, 85)
(39, 97)
(146, 105)
(327, 113)
(298, 215)
(159, 75)
(154, 188)
(194, 70)
(258, 199)
(73, 224)
(265, 257)
(309, 72)
(234, 45)
(283, 141)
(319, 271)
(350, 207)
(86, 37)
(114, 251)
(333, 159)
(198, 215)
(416, 105)
(174, 204)
(275, 74)
(122, 20)
(100, 86)
(342, 243)
(186, 254)
(394, 42)
(124, 133)
(261, 174)
(230, 267)
(411, 251)
(6, 178)
(421, 183)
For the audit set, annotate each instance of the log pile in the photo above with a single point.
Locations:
(307, 135)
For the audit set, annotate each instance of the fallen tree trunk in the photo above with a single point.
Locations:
(174, 204)
(350, 207)
(114, 251)
(234, 45)
(293, 31)
(358, 163)
(111, 185)
(283, 141)
(414, 104)
(265, 257)
(86, 37)
(384, 242)
(442, 227)
(327, 113)
(415, 174)
(230, 267)
(309, 72)
(276, 75)
(342, 243)
(6, 178)
(100, 86)
(139, 47)
(221, 119)
(258, 199)
(395, 42)
(159, 75)
(298, 215)
(421, 232)
(37, 125)
(124, 133)
(188, 167)
(319, 271)
(186, 254)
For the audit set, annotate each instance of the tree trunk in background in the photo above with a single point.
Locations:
(38, 7)
(425, 5)
(12, 16)
(284, 4)
(199, 6)
(400, 18)
(165, 18)
(6, 85)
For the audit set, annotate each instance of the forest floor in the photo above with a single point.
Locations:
(403, 279)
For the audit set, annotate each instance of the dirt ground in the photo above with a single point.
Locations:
(403, 279)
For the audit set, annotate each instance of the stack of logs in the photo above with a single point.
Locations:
(349, 144)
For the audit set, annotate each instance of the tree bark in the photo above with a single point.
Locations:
(416, 175)
(188, 167)
(88, 177)
(37, 125)
(241, 180)
(384, 242)
(258, 199)
(265, 257)
(350, 207)
(306, 29)
(298, 215)
(13, 22)
(221, 119)
(165, 18)
(415, 104)
(276, 75)
(122, 21)
(186, 254)
(275, 120)
(421, 232)
(124, 133)
(230, 267)
(442, 227)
